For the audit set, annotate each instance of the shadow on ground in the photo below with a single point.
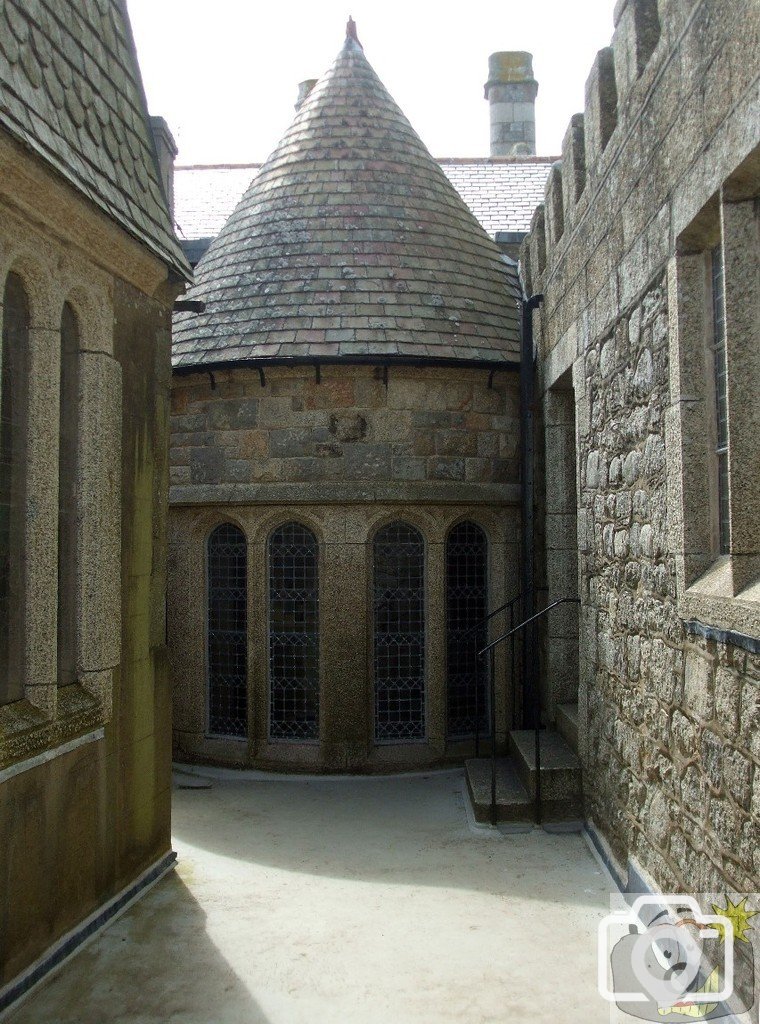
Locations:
(397, 830)
(359, 901)
(136, 972)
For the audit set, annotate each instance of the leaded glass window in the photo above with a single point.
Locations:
(13, 398)
(227, 632)
(466, 606)
(399, 642)
(293, 634)
(721, 399)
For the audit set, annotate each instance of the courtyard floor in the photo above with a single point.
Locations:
(344, 901)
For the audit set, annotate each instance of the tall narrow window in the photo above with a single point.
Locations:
(466, 606)
(721, 399)
(227, 632)
(293, 634)
(399, 617)
(13, 392)
(67, 498)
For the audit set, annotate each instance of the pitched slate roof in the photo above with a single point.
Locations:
(501, 191)
(70, 90)
(351, 243)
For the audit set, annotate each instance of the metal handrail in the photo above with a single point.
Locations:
(501, 608)
(487, 618)
(489, 649)
(508, 605)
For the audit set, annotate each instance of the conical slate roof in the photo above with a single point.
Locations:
(351, 244)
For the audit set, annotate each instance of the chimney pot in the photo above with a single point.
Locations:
(304, 88)
(511, 93)
(166, 152)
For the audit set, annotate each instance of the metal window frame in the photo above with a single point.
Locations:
(318, 547)
(484, 704)
(209, 732)
(719, 350)
(424, 737)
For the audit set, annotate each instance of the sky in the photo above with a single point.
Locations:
(224, 73)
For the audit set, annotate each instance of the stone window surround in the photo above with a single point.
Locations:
(262, 593)
(257, 529)
(721, 591)
(48, 717)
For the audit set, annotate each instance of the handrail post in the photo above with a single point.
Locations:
(535, 705)
(537, 742)
(493, 737)
(479, 661)
(512, 680)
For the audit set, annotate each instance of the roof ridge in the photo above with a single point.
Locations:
(519, 159)
(438, 159)
(217, 167)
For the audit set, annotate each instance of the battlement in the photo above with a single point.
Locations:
(645, 253)
(657, 97)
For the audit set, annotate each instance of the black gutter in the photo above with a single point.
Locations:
(530, 697)
(507, 366)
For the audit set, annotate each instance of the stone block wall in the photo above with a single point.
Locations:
(662, 167)
(343, 455)
(422, 426)
(85, 768)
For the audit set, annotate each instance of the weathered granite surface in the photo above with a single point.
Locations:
(434, 425)
(663, 167)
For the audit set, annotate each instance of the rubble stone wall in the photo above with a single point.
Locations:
(662, 168)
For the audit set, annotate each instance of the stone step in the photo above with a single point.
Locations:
(567, 724)
(512, 801)
(560, 772)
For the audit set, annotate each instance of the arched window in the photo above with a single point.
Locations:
(399, 618)
(13, 400)
(68, 463)
(227, 632)
(466, 605)
(293, 634)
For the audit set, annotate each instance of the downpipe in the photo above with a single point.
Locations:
(527, 426)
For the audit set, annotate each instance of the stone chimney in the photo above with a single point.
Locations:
(511, 93)
(304, 88)
(166, 151)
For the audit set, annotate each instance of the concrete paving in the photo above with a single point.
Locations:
(344, 901)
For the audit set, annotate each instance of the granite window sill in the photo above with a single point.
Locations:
(26, 731)
(726, 598)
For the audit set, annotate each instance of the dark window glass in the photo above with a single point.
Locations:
(721, 399)
(227, 632)
(13, 397)
(67, 498)
(293, 634)
(466, 606)
(399, 644)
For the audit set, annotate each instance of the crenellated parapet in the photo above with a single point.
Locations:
(655, 100)
(645, 253)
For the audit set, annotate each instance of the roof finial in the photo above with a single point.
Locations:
(351, 30)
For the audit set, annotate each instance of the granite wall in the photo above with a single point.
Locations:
(421, 426)
(85, 767)
(662, 169)
(344, 455)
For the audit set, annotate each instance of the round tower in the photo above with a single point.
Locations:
(344, 501)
